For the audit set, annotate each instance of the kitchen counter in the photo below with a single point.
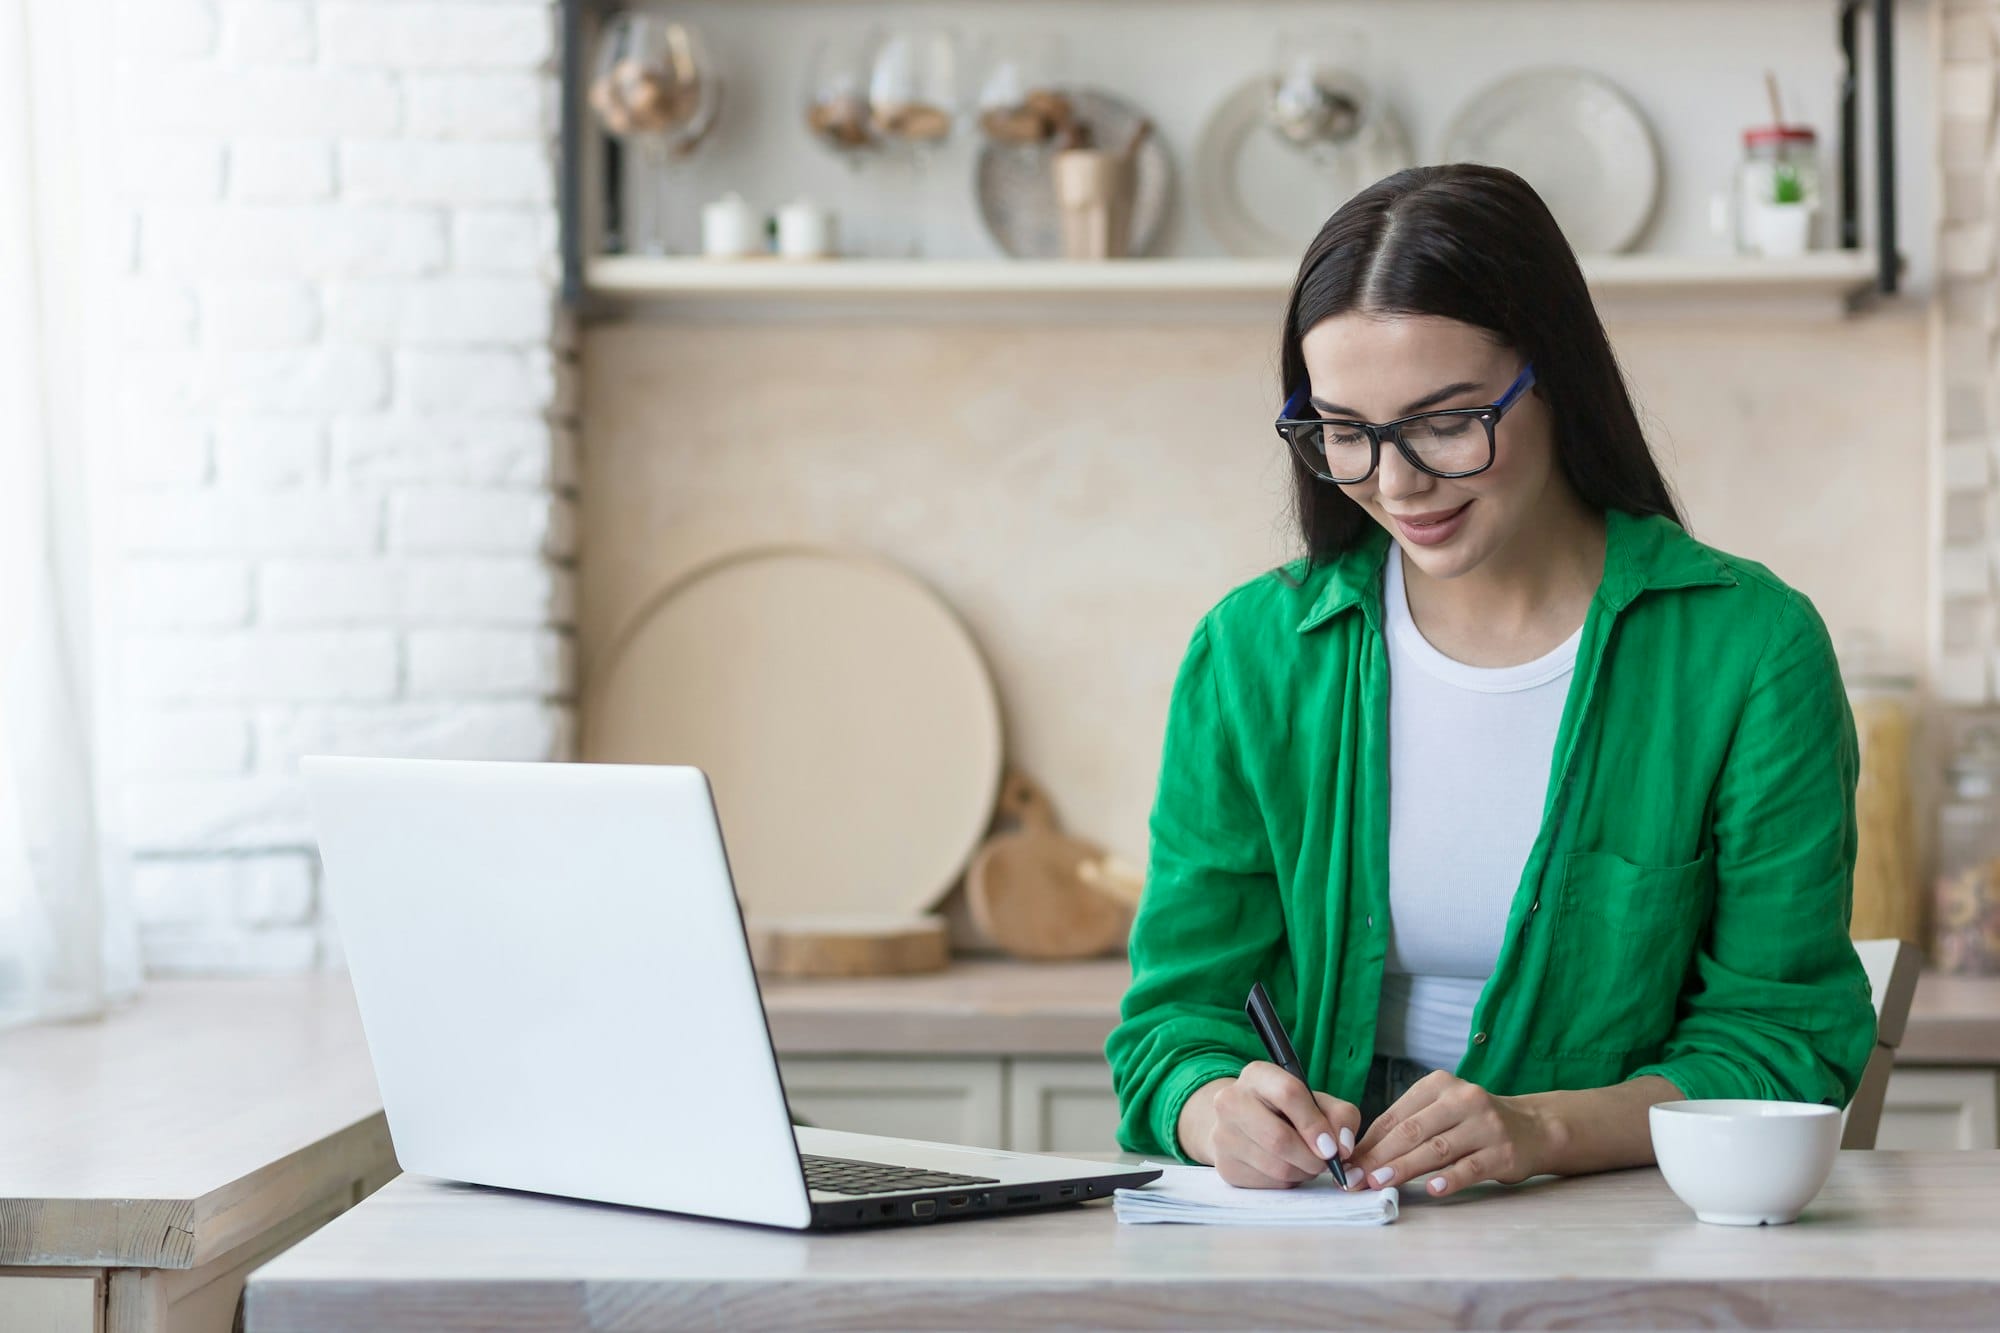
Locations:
(1003, 1006)
(977, 1006)
(1895, 1240)
(1953, 1021)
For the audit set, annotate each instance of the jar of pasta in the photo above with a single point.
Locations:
(1965, 902)
(1888, 899)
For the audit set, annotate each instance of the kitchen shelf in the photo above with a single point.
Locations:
(1828, 281)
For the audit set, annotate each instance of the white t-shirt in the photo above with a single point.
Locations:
(1469, 755)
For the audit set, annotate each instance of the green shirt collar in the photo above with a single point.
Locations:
(1641, 552)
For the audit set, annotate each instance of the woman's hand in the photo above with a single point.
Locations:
(1448, 1134)
(1264, 1130)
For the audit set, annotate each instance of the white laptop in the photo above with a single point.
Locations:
(558, 997)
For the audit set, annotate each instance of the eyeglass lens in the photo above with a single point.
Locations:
(1451, 442)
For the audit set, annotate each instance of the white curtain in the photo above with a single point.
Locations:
(67, 947)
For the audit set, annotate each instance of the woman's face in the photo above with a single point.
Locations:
(1381, 367)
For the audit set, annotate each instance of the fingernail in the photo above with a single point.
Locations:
(1325, 1145)
(1437, 1184)
(1384, 1176)
(1347, 1138)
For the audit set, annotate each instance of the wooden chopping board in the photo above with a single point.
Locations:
(844, 715)
(848, 946)
(1039, 893)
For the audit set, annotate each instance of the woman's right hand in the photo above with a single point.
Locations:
(1264, 1129)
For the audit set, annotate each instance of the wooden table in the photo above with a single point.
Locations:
(149, 1160)
(1895, 1240)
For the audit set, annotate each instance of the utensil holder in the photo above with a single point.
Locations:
(1094, 193)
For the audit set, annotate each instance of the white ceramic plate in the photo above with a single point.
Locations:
(1265, 199)
(844, 715)
(1578, 139)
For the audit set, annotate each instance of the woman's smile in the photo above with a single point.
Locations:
(1434, 528)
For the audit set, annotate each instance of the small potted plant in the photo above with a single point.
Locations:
(1781, 223)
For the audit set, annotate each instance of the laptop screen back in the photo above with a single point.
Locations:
(554, 982)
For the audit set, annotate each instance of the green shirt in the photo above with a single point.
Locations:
(1683, 910)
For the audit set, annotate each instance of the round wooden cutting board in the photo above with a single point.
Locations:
(842, 712)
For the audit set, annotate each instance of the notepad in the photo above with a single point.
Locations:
(1199, 1194)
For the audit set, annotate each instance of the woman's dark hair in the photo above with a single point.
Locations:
(1478, 245)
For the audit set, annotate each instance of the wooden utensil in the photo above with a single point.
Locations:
(847, 945)
(1093, 188)
(1026, 888)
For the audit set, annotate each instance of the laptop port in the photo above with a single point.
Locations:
(1024, 1198)
(923, 1208)
(955, 1201)
(1066, 1192)
(888, 1210)
(979, 1200)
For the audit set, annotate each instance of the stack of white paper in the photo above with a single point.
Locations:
(1198, 1194)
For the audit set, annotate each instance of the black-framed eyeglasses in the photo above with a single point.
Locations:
(1452, 442)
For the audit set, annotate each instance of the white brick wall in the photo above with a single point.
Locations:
(420, 36)
(283, 171)
(291, 241)
(346, 447)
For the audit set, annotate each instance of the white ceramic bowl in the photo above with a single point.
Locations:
(1745, 1163)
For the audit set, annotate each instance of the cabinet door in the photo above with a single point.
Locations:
(1941, 1108)
(52, 1301)
(1061, 1106)
(945, 1101)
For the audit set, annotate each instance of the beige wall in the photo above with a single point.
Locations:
(1082, 493)
(1803, 446)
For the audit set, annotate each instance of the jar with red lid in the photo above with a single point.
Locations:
(1777, 189)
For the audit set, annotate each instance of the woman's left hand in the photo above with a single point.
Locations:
(1447, 1133)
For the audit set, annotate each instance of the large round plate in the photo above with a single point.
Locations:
(845, 718)
(1265, 199)
(1016, 188)
(1578, 139)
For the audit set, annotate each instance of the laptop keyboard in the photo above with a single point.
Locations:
(838, 1175)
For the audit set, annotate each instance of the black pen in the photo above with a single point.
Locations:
(1265, 1019)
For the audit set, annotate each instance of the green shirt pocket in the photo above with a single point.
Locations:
(1625, 936)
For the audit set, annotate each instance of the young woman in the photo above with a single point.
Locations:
(1528, 809)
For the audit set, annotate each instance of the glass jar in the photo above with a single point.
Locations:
(1780, 166)
(1965, 935)
(1888, 900)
